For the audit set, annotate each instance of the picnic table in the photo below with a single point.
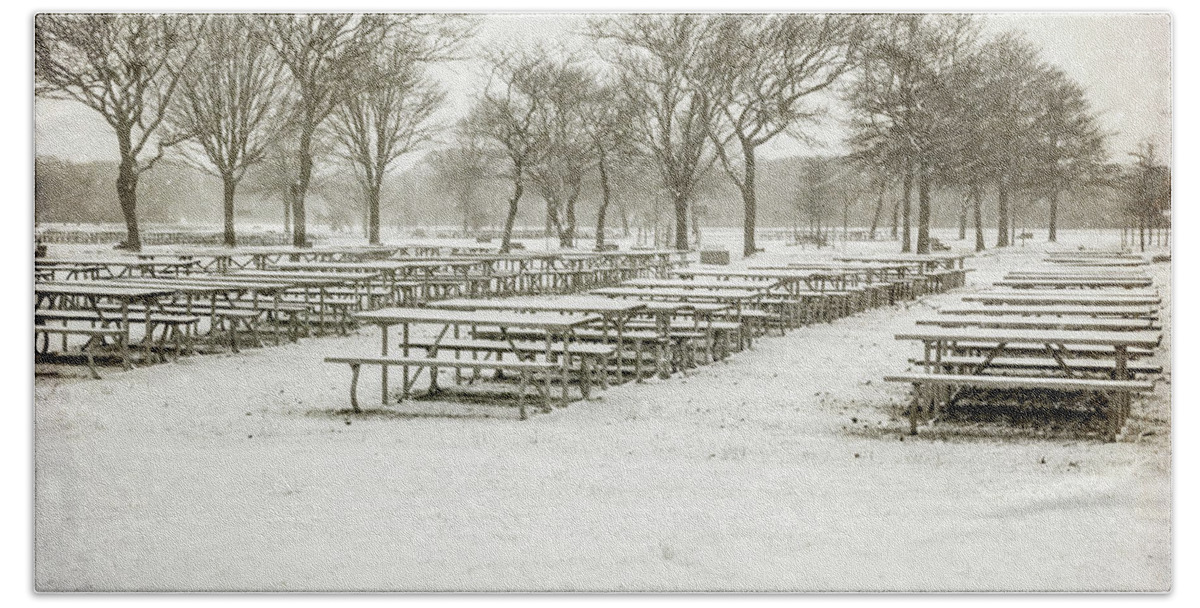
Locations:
(91, 296)
(122, 267)
(793, 280)
(428, 272)
(1060, 296)
(943, 342)
(613, 313)
(1038, 322)
(927, 261)
(557, 328)
(1063, 310)
(1100, 262)
(1076, 283)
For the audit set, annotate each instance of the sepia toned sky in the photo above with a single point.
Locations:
(1122, 60)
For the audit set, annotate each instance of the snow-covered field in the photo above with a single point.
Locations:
(784, 468)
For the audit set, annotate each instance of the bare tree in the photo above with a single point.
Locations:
(567, 154)
(126, 67)
(608, 122)
(322, 53)
(1147, 190)
(503, 118)
(461, 170)
(227, 106)
(758, 75)
(900, 99)
(1008, 98)
(387, 113)
(1068, 146)
(657, 57)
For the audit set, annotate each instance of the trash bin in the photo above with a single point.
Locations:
(718, 257)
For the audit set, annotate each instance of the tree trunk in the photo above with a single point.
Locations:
(923, 207)
(681, 226)
(518, 190)
(906, 246)
(572, 223)
(895, 220)
(230, 186)
(373, 211)
(878, 210)
(624, 218)
(962, 217)
(605, 198)
(1053, 236)
(749, 202)
(977, 205)
(299, 217)
(127, 181)
(287, 209)
(1002, 213)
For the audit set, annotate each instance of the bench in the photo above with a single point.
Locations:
(952, 363)
(222, 317)
(638, 338)
(592, 356)
(1033, 348)
(177, 328)
(526, 369)
(923, 396)
(93, 334)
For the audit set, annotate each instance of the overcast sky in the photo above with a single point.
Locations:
(1122, 60)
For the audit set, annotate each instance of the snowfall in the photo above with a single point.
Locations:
(786, 467)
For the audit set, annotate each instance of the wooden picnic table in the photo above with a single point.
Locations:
(1060, 296)
(939, 342)
(613, 313)
(1093, 253)
(557, 328)
(705, 283)
(1067, 283)
(793, 280)
(732, 297)
(1100, 262)
(1072, 272)
(123, 267)
(93, 294)
(426, 271)
(1064, 310)
(929, 261)
(1039, 322)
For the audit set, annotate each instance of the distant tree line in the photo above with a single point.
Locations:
(664, 106)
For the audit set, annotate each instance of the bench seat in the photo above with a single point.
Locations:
(525, 368)
(923, 381)
(1097, 365)
(92, 333)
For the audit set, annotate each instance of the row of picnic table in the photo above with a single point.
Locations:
(175, 298)
(1064, 333)
(550, 349)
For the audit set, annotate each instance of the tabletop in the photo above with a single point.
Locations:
(103, 289)
(581, 304)
(701, 283)
(731, 295)
(1073, 323)
(929, 333)
(1079, 310)
(547, 321)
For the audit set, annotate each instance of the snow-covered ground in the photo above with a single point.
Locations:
(784, 468)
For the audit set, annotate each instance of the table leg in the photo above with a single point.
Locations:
(383, 373)
(1123, 397)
